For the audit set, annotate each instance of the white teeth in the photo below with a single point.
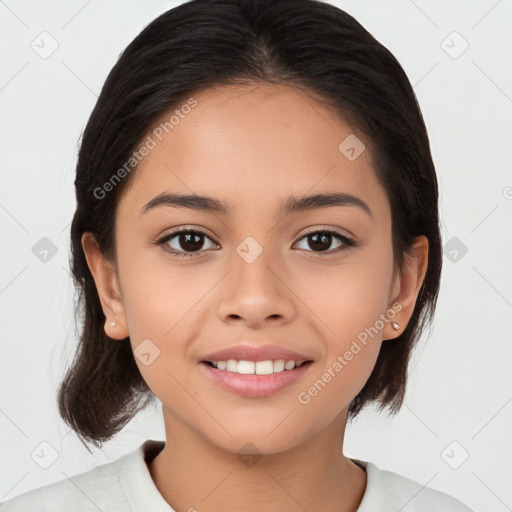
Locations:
(231, 365)
(264, 368)
(279, 365)
(246, 367)
(259, 368)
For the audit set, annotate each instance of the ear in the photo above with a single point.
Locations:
(406, 286)
(109, 291)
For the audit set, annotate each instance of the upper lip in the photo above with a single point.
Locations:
(252, 353)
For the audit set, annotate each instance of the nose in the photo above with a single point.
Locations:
(256, 293)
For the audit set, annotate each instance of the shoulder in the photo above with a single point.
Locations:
(96, 489)
(388, 492)
(124, 484)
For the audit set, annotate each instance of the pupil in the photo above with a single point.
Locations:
(320, 245)
(193, 242)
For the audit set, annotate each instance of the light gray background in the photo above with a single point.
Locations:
(460, 392)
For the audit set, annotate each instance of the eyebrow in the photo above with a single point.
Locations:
(291, 205)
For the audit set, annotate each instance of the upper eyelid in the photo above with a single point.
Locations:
(337, 231)
(176, 231)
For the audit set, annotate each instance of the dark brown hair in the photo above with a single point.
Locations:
(306, 44)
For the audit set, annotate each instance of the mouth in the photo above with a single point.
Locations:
(255, 379)
(267, 367)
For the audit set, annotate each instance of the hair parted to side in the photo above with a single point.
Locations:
(306, 44)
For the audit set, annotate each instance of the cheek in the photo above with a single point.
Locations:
(351, 302)
(349, 298)
(160, 297)
(163, 305)
(332, 389)
(350, 359)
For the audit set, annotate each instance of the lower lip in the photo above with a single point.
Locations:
(255, 386)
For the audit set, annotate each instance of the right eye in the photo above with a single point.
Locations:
(184, 242)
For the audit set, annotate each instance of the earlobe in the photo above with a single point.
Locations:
(409, 281)
(105, 279)
(115, 330)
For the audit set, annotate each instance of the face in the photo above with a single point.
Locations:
(277, 281)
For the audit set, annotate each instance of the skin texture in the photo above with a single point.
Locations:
(253, 147)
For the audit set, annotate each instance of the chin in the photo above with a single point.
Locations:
(253, 439)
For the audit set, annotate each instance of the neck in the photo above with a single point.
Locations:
(192, 473)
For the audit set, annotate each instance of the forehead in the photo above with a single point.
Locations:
(253, 143)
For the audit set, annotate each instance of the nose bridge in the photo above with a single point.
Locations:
(253, 269)
(257, 291)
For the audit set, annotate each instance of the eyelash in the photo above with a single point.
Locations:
(162, 242)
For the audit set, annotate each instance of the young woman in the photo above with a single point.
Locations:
(257, 246)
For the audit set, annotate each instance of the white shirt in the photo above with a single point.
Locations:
(126, 485)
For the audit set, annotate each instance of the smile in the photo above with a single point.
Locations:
(256, 367)
(255, 379)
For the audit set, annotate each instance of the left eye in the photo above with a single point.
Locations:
(321, 240)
